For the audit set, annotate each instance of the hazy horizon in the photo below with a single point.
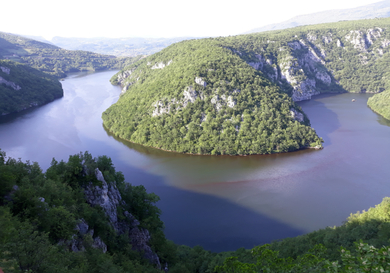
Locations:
(153, 19)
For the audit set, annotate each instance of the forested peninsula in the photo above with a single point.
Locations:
(81, 216)
(236, 95)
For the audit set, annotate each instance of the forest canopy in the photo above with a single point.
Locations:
(22, 87)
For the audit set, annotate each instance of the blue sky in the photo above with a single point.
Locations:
(152, 18)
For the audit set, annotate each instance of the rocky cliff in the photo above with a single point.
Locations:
(108, 197)
(306, 64)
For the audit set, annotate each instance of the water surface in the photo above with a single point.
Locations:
(222, 202)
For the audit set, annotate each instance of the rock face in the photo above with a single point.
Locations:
(6, 70)
(296, 115)
(108, 197)
(13, 85)
(200, 81)
(299, 65)
(190, 95)
(122, 78)
(161, 65)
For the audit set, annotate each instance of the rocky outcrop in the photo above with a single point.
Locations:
(122, 79)
(358, 39)
(13, 85)
(363, 40)
(200, 81)
(76, 244)
(5, 70)
(161, 65)
(222, 100)
(107, 196)
(296, 115)
(301, 67)
(190, 95)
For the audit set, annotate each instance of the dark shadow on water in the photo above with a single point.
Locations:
(192, 218)
(211, 222)
(216, 224)
(24, 113)
(383, 121)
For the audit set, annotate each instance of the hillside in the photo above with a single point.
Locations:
(235, 95)
(376, 10)
(22, 87)
(55, 60)
(380, 103)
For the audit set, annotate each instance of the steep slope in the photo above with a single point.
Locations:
(75, 217)
(380, 103)
(22, 87)
(376, 10)
(54, 60)
(235, 95)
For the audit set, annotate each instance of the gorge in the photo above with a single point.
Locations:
(233, 86)
(200, 195)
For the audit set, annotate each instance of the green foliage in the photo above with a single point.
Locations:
(366, 258)
(339, 57)
(39, 213)
(380, 103)
(259, 123)
(36, 88)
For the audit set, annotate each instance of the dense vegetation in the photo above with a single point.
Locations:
(39, 211)
(380, 103)
(22, 87)
(54, 60)
(231, 95)
(260, 121)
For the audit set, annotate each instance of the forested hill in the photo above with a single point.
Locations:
(235, 95)
(22, 87)
(54, 60)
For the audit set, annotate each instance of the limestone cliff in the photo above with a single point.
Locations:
(108, 197)
(305, 63)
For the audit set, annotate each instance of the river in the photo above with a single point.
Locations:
(222, 202)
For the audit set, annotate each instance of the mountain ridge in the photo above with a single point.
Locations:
(379, 9)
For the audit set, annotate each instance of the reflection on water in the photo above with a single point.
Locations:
(383, 121)
(223, 202)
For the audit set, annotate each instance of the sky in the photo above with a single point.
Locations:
(153, 18)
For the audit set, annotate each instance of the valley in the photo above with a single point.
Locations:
(192, 156)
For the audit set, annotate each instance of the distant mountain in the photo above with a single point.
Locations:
(54, 60)
(376, 10)
(118, 46)
(38, 38)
